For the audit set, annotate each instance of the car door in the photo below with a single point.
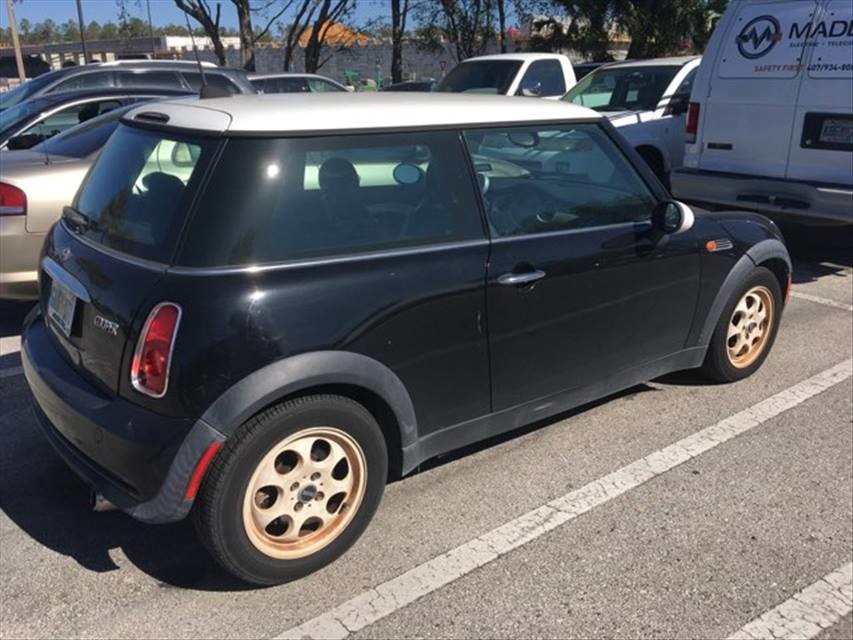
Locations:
(580, 285)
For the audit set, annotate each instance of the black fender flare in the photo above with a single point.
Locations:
(754, 256)
(296, 373)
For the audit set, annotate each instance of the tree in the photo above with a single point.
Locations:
(248, 36)
(502, 24)
(201, 12)
(399, 12)
(468, 24)
(319, 16)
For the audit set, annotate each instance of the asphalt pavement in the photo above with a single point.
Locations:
(676, 509)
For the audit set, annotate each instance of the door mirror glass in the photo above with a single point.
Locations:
(531, 89)
(677, 105)
(407, 174)
(674, 217)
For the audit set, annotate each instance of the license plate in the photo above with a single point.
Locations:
(60, 307)
(837, 131)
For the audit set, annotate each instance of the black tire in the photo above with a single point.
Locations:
(718, 366)
(218, 511)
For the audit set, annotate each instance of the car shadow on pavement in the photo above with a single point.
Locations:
(818, 252)
(12, 314)
(49, 503)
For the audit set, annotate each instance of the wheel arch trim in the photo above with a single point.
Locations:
(757, 254)
(291, 375)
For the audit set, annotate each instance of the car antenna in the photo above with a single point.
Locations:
(206, 91)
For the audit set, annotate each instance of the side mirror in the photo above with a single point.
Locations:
(678, 104)
(673, 217)
(531, 89)
(24, 141)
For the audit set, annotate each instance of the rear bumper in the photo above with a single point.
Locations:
(19, 255)
(140, 461)
(780, 199)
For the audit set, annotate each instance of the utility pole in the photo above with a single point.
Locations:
(13, 27)
(82, 32)
(150, 26)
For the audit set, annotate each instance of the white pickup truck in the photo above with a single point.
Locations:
(537, 75)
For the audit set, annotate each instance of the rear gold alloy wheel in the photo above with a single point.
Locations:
(304, 492)
(750, 327)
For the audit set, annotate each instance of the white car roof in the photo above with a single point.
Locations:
(516, 56)
(676, 61)
(303, 112)
(286, 74)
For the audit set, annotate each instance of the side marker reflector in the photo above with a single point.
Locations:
(200, 468)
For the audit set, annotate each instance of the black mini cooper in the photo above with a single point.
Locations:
(260, 308)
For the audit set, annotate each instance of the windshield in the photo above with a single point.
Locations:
(485, 76)
(620, 89)
(136, 196)
(21, 93)
(11, 119)
(80, 141)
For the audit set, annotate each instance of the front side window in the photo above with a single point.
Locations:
(284, 199)
(93, 80)
(285, 85)
(483, 76)
(136, 197)
(71, 116)
(79, 142)
(318, 85)
(213, 79)
(540, 180)
(149, 79)
(543, 78)
(620, 89)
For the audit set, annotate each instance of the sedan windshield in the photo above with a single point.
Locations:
(621, 89)
(24, 91)
(484, 76)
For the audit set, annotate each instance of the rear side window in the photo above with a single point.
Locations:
(71, 116)
(139, 189)
(285, 85)
(289, 199)
(317, 85)
(213, 79)
(545, 77)
(549, 179)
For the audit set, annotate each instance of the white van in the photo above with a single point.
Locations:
(770, 122)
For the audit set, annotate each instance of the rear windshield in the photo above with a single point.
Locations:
(487, 76)
(135, 198)
(620, 89)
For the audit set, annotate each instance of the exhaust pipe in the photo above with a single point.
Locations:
(100, 503)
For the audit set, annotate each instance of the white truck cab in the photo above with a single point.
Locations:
(535, 75)
(770, 123)
(646, 100)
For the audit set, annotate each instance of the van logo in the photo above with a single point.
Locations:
(106, 325)
(758, 37)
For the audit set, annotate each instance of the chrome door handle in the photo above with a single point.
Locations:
(513, 279)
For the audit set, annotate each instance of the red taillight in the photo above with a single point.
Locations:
(692, 122)
(13, 201)
(149, 371)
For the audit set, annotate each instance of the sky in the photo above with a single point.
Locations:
(162, 11)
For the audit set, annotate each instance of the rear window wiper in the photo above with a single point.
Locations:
(79, 220)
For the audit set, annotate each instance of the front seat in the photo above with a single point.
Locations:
(339, 189)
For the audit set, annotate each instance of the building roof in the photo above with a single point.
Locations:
(304, 112)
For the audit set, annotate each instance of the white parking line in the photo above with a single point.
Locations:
(807, 613)
(374, 604)
(10, 344)
(824, 301)
(9, 372)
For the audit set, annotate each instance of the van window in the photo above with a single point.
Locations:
(275, 200)
(139, 189)
(539, 180)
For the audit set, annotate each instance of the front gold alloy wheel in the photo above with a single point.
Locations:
(750, 327)
(304, 492)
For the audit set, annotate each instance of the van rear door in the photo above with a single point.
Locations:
(822, 140)
(748, 113)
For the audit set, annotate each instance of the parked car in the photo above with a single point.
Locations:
(33, 121)
(770, 125)
(294, 83)
(412, 85)
(585, 68)
(646, 100)
(198, 342)
(129, 74)
(538, 75)
(43, 180)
